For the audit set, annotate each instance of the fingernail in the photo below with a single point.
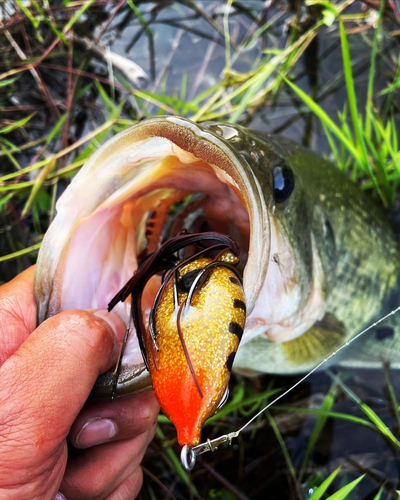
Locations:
(96, 431)
(113, 320)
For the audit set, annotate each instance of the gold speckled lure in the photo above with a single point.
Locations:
(198, 330)
(195, 326)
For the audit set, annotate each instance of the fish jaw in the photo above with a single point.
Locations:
(109, 198)
(284, 310)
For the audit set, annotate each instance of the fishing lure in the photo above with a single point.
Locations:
(194, 328)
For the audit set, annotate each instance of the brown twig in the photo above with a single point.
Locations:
(70, 91)
(160, 484)
(96, 39)
(45, 91)
(91, 76)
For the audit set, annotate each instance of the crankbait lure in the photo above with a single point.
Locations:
(194, 330)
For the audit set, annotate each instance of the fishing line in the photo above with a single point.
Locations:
(188, 454)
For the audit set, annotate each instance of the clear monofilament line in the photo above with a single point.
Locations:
(319, 366)
(228, 437)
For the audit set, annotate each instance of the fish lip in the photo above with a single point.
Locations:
(131, 379)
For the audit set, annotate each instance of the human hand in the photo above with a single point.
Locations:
(46, 375)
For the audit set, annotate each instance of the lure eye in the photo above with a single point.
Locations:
(283, 182)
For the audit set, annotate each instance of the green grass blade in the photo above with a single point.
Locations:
(269, 68)
(381, 426)
(252, 84)
(285, 452)
(369, 412)
(67, 171)
(227, 36)
(317, 495)
(5, 200)
(55, 130)
(15, 125)
(196, 100)
(390, 91)
(328, 11)
(20, 253)
(330, 414)
(8, 153)
(395, 145)
(351, 96)
(108, 103)
(391, 88)
(152, 98)
(77, 15)
(379, 494)
(238, 402)
(175, 462)
(25, 170)
(49, 22)
(371, 75)
(38, 184)
(18, 186)
(326, 406)
(334, 149)
(141, 19)
(325, 119)
(184, 87)
(207, 105)
(11, 145)
(266, 26)
(27, 12)
(99, 134)
(343, 492)
(8, 81)
(386, 139)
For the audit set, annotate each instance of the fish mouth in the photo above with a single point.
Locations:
(143, 186)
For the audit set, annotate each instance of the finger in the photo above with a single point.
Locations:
(129, 489)
(17, 313)
(124, 419)
(45, 383)
(99, 471)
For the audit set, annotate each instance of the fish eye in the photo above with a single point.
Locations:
(283, 182)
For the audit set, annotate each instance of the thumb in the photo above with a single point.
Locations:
(45, 383)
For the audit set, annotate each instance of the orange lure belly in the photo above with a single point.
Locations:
(197, 344)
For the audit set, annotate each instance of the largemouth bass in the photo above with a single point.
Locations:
(320, 258)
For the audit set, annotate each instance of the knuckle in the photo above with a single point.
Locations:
(90, 331)
(27, 457)
(130, 488)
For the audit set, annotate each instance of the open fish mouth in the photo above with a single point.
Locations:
(287, 208)
(142, 187)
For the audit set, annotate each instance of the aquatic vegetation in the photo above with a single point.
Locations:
(70, 106)
(368, 146)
